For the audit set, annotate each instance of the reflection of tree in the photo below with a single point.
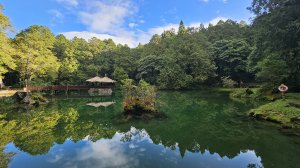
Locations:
(197, 122)
(5, 158)
(35, 131)
(31, 132)
(200, 121)
(253, 166)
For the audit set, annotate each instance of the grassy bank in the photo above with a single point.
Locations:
(285, 112)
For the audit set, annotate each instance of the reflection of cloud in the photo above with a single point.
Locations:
(56, 158)
(132, 146)
(105, 154)
(139, 150)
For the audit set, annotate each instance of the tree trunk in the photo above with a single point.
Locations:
(1, 83)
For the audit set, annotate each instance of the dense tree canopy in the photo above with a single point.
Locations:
(6, 51)
(231, 58)
(277, 47)
(35, 59)
(264, 52)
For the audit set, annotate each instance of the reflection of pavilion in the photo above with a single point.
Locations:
(100, 104)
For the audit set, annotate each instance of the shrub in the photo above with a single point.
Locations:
(138, 98)
(227, 82)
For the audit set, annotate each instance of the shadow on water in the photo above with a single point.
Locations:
(203, 129)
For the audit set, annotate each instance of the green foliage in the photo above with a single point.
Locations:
(181, 29)
(243, 93)
(277, 36)
(64, 51)
(268, 49)
(273, 71)
(119, 74)
(231, 58)
(173, 77)
(5, 158)
(149, 68)
(7, 61)
(227, 30)
(35, 58)
(138, 99)
(227, 82)
(286, 112)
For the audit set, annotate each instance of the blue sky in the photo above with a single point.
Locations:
(125, 21)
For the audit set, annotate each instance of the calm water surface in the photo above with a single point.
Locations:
(203, 130)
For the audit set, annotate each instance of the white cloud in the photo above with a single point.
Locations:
(213, 22)
(132, 25)
(72, 3)
(107, 16)
(122, 38)
(132, 39)
(224, 1)
(106, 19)
(161, 29)
(56, 15)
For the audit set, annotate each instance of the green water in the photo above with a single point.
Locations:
(203, 129)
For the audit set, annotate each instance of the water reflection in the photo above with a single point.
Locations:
(134, 148)
(202, 130)
(100, 104)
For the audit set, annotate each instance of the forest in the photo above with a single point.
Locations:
(264, 52)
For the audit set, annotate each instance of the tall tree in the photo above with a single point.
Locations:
(64, 51)
(6, 50)
(181, 29)
(149, 68)
(231, 57)
(35, 59)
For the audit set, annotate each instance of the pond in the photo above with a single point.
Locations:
(202, 129)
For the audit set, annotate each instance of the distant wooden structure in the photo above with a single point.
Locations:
(102, 81)
(57, 88)
(98, 86)
(103, 86)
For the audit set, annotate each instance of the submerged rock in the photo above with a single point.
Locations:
(28, 100)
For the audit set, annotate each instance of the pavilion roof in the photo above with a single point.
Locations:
(101, 80)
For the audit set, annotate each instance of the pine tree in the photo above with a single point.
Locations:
(182, 29)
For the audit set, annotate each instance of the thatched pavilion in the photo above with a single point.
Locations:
(102, 86)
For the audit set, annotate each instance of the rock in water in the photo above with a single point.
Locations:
(24, 98)
(28, 100)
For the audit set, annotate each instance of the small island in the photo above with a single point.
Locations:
(139, 101)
